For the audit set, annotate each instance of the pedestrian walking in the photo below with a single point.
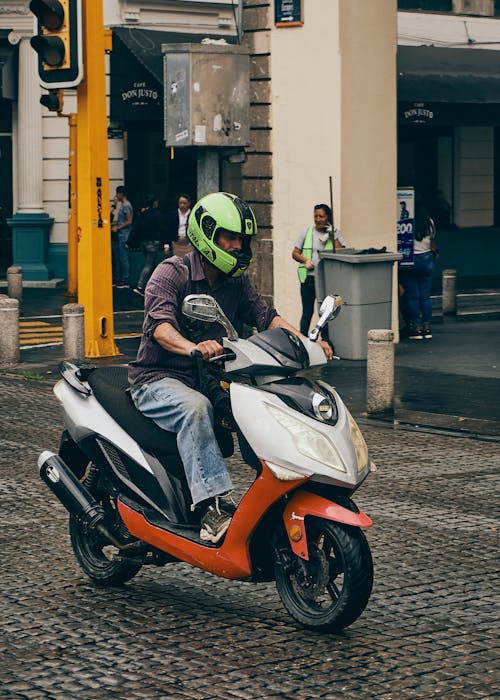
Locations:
(120, 232)
(146, 235)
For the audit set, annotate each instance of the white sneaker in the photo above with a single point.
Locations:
(214, 522)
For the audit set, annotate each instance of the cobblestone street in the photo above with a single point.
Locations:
(172, 633)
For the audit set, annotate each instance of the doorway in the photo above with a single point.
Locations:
(153, 167)
(5, 186)
(425, 162)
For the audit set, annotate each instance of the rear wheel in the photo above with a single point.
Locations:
(332, 588)
(100, 560)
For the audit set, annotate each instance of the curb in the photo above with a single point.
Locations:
(438, 423)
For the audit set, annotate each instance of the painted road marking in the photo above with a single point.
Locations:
(35, 333)
(47, 342)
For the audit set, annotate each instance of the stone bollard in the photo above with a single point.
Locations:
(73, 332)
(15, 283)
(380, 371)
(449, 293)
(9, 330)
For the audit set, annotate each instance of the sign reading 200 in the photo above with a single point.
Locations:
(405, 227)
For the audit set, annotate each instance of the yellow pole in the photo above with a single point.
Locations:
(72, 221)
(94, 246)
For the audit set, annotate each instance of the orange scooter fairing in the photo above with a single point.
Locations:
(304, 503)
(232, 559)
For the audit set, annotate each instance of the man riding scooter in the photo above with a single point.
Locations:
(163, 379)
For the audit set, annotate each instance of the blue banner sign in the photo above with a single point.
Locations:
(405, 224)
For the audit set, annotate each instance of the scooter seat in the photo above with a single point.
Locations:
(109, 385)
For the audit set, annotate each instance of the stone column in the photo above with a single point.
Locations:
(73, 331)
(380, 371)
(15, 283)
(30, 224)
(208, 171)
(9, 330)
(30, 176)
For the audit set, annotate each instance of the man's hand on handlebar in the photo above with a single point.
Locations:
(209, 349)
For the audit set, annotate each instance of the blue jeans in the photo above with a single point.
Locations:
(179, 409)
(120, 258)
(418, 286)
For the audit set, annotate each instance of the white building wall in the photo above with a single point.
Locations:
(306, 133)
(333, 115)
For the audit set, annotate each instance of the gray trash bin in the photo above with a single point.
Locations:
(364, 281)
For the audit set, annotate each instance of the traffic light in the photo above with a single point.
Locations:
(54, 101)
(58, 42)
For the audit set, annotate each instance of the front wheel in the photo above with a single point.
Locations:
(330, 590)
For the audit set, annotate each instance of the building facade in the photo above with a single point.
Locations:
(34, 143)
(448, 127)
(347, 99)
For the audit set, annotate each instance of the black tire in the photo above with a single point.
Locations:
(94, 554)
(330, 590)
(96, 557)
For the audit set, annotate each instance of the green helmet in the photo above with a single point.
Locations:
(216, 212)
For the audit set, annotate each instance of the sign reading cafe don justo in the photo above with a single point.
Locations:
(140, 94)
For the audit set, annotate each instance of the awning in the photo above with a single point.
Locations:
(430, 74)
(137, 71)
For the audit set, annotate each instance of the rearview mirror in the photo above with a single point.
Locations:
(203, 307)
(329, 309)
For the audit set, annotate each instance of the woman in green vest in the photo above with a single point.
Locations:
(306, 252)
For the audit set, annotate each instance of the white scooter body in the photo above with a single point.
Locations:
(292, 443)
(84, 417)
(266, 432)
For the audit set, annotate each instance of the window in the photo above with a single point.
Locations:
(426, 5)
(465, 7)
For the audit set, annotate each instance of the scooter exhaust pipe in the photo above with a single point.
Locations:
(74, 496)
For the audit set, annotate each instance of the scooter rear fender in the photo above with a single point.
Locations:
(304, 503)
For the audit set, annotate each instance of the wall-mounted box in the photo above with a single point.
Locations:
(207, 94)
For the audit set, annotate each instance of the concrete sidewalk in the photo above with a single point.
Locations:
(451, 382)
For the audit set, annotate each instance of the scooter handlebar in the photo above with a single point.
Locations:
(228, 355)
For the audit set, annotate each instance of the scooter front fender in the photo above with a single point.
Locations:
(304, 503)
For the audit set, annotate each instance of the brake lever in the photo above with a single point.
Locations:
(225, 356)
(196, 355)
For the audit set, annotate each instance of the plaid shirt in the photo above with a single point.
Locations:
(165, 292)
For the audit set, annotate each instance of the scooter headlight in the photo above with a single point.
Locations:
(307, 441)
(359, 444)
(322, 407)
